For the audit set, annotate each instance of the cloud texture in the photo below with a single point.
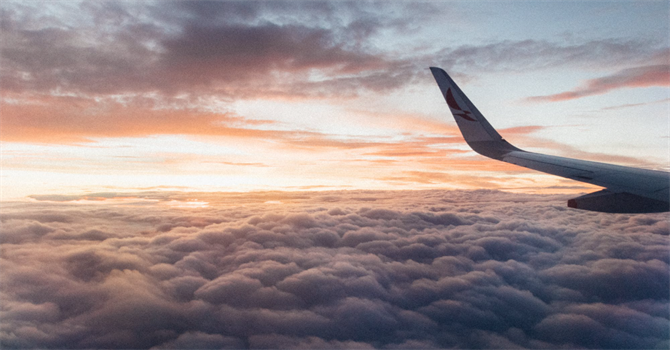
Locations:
(68, 69)
(356, 269)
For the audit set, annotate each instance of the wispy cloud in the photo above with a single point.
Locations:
(629, 105)
(517, 55)
(647, 76)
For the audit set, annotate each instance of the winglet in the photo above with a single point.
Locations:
(628, 190)
(476, 130)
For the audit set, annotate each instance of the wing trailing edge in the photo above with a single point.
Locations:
(628, 189)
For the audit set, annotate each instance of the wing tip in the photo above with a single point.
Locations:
(435, 70)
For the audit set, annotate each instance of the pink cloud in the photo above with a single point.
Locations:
(647, 76)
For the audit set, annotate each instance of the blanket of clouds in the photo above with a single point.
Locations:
(350, 269)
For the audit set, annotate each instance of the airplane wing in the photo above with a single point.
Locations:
(627, 189)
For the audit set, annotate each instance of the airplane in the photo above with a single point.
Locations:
(627, 189)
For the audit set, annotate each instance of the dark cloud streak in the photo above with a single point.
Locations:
(213, 47)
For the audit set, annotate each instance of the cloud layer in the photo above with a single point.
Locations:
(356, 269)
(105, 63)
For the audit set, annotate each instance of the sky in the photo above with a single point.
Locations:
(270, 174)
(241, 96)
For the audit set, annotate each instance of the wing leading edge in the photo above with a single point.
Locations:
(627, 189)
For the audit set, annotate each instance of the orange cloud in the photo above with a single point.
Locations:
(409, 122)
(62, 119)
(453, 180)
(521, 130)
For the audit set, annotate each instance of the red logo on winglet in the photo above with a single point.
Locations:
(451, 101)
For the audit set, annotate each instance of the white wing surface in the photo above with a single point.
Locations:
(627, 189)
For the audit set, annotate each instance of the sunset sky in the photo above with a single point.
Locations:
(300, 95)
